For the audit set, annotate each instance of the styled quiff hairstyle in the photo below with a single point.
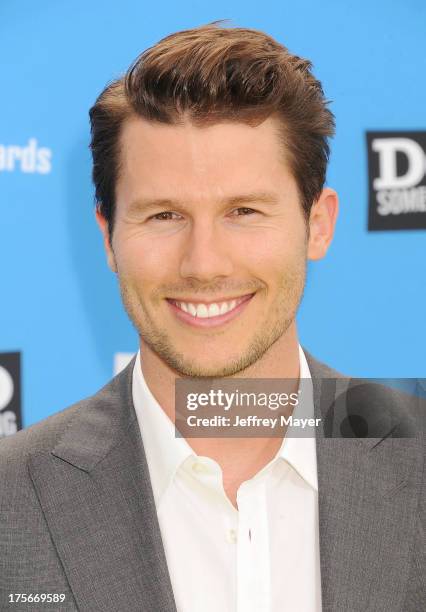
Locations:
(211, 74)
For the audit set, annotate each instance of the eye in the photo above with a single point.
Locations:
(166, 215)
(243, 211)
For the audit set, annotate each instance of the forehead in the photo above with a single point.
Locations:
(215, 160)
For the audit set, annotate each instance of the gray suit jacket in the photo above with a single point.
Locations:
(77, 514)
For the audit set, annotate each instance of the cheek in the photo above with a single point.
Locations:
(271, 253)
(145, 262)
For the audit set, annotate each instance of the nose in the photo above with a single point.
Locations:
(207, 254)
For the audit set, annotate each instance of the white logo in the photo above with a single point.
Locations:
(6, 388)
(29, 159)
(399, 194)
(387, 148)
(8, 424)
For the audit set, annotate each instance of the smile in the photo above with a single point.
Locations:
(207, 314)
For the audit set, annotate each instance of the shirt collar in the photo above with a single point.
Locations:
(300, 452)
(165, 453)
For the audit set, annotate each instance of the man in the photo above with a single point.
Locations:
(209, 167)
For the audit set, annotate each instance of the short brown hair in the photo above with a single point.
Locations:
(210, 74)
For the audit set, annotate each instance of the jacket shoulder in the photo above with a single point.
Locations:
(44, 435)
(319, 369)
(38, 438)
(372, 403)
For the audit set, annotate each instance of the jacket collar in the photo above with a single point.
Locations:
(99, 426)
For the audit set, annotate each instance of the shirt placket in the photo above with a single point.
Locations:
(253, 557)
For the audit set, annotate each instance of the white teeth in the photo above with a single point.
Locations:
(203, 311)
(224, 308)
(192, 310)
(214, 310)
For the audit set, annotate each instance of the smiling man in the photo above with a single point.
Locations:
(210, 160)
(210, 244)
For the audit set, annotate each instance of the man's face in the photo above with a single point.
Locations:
(209, 242)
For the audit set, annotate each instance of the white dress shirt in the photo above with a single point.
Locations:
(263, 557)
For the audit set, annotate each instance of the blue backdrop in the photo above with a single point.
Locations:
(364, 305)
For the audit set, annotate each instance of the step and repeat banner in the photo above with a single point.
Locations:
(63, 332)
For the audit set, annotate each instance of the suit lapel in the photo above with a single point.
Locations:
(96, 496)
(367, 508)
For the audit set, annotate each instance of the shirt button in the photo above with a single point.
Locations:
(199, 468)
(231, 536)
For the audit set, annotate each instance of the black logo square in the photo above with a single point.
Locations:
(10, 393)
(397, 180)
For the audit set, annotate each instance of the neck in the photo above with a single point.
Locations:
(239, 458)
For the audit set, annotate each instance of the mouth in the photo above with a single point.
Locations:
(208, 314)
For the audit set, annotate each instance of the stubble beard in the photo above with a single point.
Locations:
(282, 316)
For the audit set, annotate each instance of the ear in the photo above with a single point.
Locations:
(322, 221)
(103, 226)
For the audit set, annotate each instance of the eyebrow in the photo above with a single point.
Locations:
(262, 197)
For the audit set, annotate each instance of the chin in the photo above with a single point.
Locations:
(227, 365)
(200, 368)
